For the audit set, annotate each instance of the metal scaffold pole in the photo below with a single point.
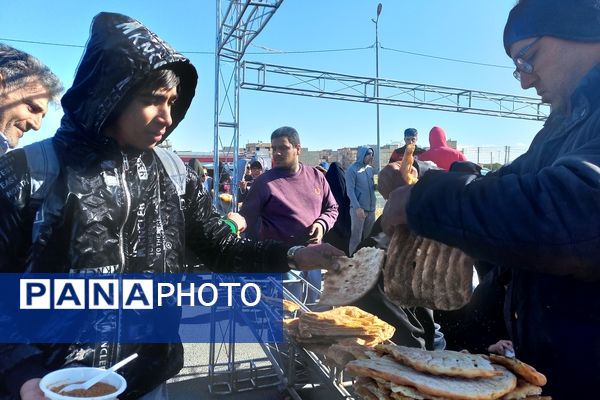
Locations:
(239, 23)
(378, 150)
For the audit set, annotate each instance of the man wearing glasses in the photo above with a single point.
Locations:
(539, 216)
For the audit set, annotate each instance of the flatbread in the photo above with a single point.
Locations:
(342, 354)
(378, 391)
(361, 388)
(290, 306)
(440, 291)
(344, 325)
(466, 277)
(339, 355)
(539, 398)
(355, 277)
(523, 390)
(404, 392)
(395, 275)
(418, 271)
(441, 386)
(411, 393)
(364, 393)
(520, 368)
(441, 362)
(453, 277)
(427, 286)
(426, 273)
(408, 268)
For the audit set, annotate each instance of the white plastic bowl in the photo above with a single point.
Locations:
(80, 374)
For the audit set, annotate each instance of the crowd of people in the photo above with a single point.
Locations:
(100, 195)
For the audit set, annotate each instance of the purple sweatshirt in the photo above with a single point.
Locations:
(282, 205)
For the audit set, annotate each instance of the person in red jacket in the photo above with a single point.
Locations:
(439, 152)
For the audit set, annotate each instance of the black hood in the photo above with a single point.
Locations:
(119, 54)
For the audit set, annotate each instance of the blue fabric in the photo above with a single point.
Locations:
(360, 228)
(360, 186)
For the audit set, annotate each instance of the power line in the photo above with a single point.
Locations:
(269, 51)
(43, 43)
(274, 51)
(80, 46)
(447, 59)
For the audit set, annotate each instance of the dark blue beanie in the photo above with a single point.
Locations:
(575, 20)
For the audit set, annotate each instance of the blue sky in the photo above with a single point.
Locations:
(460, 29)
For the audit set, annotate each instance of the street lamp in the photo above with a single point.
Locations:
(376, 20)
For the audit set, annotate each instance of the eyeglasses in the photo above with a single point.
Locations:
(520, 62)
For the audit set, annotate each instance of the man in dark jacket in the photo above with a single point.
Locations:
(110, 201)
(540, 215)
(410, 137)
(339, 235)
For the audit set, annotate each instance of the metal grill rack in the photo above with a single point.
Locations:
(285, 365)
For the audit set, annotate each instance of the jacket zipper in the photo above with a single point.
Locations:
(164, 255)
(127, 196)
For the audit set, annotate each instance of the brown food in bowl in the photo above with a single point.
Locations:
(99, 389)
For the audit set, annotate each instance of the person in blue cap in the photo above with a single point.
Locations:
(538, 217)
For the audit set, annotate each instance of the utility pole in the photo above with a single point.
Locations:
(378, 150)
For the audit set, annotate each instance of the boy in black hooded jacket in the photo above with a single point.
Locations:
(111, 202)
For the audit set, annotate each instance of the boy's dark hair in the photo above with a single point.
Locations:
(157, 79)
(162, 78)
(288, 132)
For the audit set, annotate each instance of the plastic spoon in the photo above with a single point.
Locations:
(95, 379)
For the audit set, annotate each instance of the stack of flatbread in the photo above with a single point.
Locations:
(354, 277)
(426, 273)
(349, 325)
(397, 372)
(423, 272)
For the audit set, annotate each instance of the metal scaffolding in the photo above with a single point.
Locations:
(331, 85)
(241, 22)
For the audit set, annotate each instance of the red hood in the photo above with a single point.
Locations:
(437, 137)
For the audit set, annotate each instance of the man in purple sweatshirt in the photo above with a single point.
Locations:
(292, 202)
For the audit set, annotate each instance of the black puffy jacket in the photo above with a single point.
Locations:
(113, 209)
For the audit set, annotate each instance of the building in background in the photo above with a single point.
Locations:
(491, 157)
